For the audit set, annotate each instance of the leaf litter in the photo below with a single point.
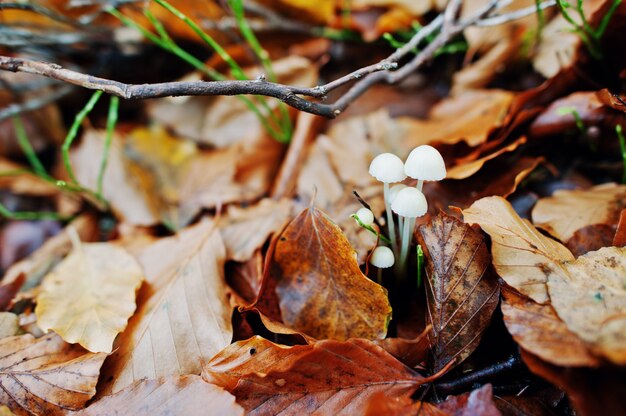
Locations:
(202, 221)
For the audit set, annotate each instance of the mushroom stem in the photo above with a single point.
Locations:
(390, 224)
(405, 246)
(420, 185)
(379, 276)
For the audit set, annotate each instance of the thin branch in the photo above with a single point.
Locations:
(498, 19)
(35, 103)
(446, 27)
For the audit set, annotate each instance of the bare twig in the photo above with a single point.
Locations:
(35, 103)
(446, 27)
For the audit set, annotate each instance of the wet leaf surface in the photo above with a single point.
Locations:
(461, 290)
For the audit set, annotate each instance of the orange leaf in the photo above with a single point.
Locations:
(328, 377)
(46, 375)
(461, 291)
(321, 290)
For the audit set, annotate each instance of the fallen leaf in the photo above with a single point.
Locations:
(321, 290)
(328, 377)
(186, 395)
(9, 290)
(9, 324)
(244, 230)
(477, 402)
(410, 352)
(590, 391)
(569, 210)
(620, 234)
(42, 261)
(538, 329)
(469, 116)
(46, 375)
(88, 298)
(18, 180)
(183, 314)
(589, 294)
(465, 170)
(591, 238)
(522, 256)
(461, 291)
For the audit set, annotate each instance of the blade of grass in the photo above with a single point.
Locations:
(622, 145)
(29, 152)
(111, 122)
(30, 215)
(71, 134)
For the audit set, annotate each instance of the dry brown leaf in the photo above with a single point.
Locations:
(244, 230)
(23, 182)
(321, 290)
(589, 294)
(468, 116)
(591, 238)
(9, 324)
(42, 261)
(88, 298)
(461, 290)
(477, 402)
(465, 170)
(415, 7)
(538, 329)
(557, 47)
(522, 256)
(171, 396)
(46, 375)
(183, 314)
(591, 392)
(411, 352)
(567, 211)
(328, 377)
(620, 234)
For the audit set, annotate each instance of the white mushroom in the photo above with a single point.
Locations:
(383, 258)
(393, 192)
(410, 204)
(425, 163)
(365, 216)
(388, 168)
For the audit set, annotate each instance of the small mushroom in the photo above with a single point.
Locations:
(425, 163)
(393, 192)
(365, 216)
(383, 258)
(410, 204)
(388, 168)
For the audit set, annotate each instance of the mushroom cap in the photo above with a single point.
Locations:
(382, 257)
(410, 203)
(393, 191)
(425, 163)
(387, 168)
(366, 216)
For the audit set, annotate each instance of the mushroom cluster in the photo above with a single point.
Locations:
(424, 163)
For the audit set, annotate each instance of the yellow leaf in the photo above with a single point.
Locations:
(522, 256)
(90, 295)
(589, 294)
(46, 376)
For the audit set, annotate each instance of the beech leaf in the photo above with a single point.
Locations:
(327, 378)
(321, 290)
(183, 315)
(567, 211)
(538, 329)
(46, 375)
(461, 290)
(90, 295)
(589, 294)
(186, 395)
(522, 256)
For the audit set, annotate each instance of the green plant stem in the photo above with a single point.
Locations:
(111, 122)
(420, 265)
(29, 215)
(29, 152)
(71, 134)
(622, 145)
(370, 229)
